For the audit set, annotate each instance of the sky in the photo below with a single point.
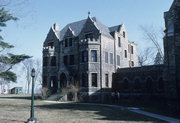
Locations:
(37, 16)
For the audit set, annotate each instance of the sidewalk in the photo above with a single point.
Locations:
(132, 109)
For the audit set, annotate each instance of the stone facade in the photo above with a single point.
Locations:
(172, 54)
(86, 53)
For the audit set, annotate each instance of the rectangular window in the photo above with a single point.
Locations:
(124, 34)
(119, 41)
(65, 59)
(125, 53)
(132, 63)
(45, 61)
(53, 61)
(84, 56)
(111, 58)
(89, 35)
(118, 60)
(70, 41)
(132, 50)
(66, 42)
(71, 60)
(106, 80)
(94, 79)
(106, 57)
(94, 55)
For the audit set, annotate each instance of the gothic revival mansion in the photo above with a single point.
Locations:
(101, 59)
(86, 53)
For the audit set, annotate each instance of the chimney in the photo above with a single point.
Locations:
(56, 27)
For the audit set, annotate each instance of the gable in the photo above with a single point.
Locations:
(51, 36)
(76, 27)
(86, 25)
(89, 26)
(69, 33)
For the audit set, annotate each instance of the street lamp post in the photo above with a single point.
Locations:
(32, 119)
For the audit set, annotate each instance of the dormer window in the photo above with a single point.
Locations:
(89, 35)
(68, 42)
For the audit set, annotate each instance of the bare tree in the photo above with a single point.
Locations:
(38, 76)
(146, 56)
(27, 67)
(153, 36)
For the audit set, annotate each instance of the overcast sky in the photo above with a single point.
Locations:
(37, 16)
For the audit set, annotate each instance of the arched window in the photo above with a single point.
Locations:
(160, 84)
(125, 84)
(149, 85)
(137, 84)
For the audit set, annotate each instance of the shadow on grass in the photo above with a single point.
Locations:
(105, 113)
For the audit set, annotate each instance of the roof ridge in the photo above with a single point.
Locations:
(79, 21)
(76, 22)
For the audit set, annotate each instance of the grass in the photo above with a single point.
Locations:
(16, 109)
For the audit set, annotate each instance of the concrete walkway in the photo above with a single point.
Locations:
(132, 109)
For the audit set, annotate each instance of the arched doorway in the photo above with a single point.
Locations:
(63, 81)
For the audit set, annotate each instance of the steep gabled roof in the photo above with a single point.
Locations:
(76, 27)
(103, 28)
(115, 28)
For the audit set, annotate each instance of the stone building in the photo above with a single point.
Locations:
(157, 81)
(86, 53)
(100, 58)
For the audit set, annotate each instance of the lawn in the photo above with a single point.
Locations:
(16, 109)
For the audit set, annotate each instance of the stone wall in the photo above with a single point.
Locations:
(146, 80)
